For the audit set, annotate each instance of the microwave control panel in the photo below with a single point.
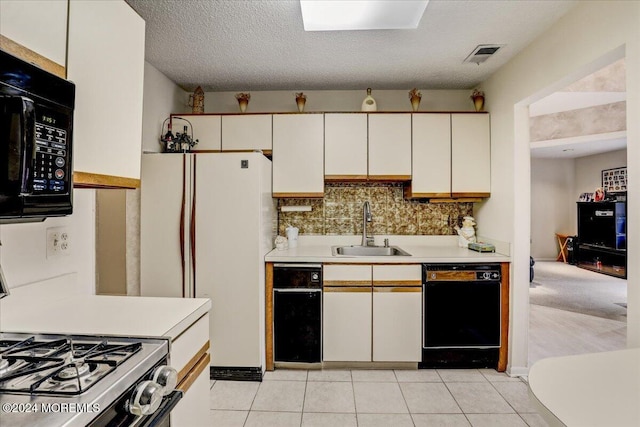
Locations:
(50, 169)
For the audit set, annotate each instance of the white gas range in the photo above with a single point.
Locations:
(58, 380)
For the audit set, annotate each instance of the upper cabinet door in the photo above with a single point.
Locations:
(470, 155)
(206, 129)
(431, 156)
(298, 155)
(345, 147)
(390, 147)
(247, 132)
(106, 62)
(38, 25)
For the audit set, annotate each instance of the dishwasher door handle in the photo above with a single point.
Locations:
(297, 290)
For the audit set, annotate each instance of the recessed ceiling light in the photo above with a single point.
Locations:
(334, 15)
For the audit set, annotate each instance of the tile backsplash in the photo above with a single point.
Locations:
(340, 212)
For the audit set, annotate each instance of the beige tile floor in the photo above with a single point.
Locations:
(349, 398)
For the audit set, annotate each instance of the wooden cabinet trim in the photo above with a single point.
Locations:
(389, 178)
(193, 375)
(347, 283)
(361, 289)
(269, 316)
(397, 289)
(193, 362)
(456, 195)
(94, 180)
(428, 195)
(298, 195)
(343, 178)
(28, 55)
(396, 283)
(460, 200)
(503, 353)
(451, 276)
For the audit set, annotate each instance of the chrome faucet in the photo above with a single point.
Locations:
(366, 217)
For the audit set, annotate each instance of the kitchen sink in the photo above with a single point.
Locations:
(368, 251)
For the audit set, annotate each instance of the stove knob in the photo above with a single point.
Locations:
(146, 398)
(167, 377)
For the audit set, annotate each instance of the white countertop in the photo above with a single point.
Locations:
(33, 311)
(442, 253)
(599, 389)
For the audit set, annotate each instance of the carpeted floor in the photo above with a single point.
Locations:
(567, 287)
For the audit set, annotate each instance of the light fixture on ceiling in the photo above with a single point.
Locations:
(333, 15)
(482, 52)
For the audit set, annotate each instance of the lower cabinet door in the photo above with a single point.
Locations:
(193, 409)
(397, 324)
(346, 324)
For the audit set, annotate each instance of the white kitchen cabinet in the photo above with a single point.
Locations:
(346, 324)
(372, 313)
(345, 147)
(106, 62)
(247, 132)
(390, 146)
(431, 156)
(206, 128)
(451, 156)
(298, 155)
(190, 357)
(397, 324)
(397, 275)
(346, 274)
(397, 313)
(470, 155)
(346, 317)
(38, 25)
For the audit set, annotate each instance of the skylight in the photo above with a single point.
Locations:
(344, 15)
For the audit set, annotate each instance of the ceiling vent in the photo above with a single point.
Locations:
(482, 52)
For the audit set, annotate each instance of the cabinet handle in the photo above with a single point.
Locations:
(363, 289)
(397, 289)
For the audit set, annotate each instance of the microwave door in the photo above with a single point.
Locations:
(17, 144)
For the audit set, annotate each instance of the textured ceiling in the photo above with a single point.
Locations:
(261, 45)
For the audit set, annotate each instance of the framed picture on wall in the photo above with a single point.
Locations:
(614, 180)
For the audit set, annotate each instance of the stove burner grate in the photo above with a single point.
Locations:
(59, 367)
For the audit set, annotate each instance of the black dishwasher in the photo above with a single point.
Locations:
(461, 311)
(297, 313)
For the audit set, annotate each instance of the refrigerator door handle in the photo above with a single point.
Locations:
(182, 218)
(192, 228)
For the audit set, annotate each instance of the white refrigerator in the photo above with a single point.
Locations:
(207, 221)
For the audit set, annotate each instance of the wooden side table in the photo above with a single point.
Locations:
(562, 243)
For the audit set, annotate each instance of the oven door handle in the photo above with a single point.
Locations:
(160, 415)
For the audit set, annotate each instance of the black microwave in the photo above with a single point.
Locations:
(36, 118)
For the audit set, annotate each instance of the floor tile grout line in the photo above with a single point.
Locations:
(504, 398)
(304, 396)
(353, 392)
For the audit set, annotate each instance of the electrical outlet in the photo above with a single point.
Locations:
(58, 242)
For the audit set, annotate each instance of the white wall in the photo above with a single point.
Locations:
(23, 253)
(161, 98)
(553, 206)
(589, 169)
(590, 36)
(338, 100)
